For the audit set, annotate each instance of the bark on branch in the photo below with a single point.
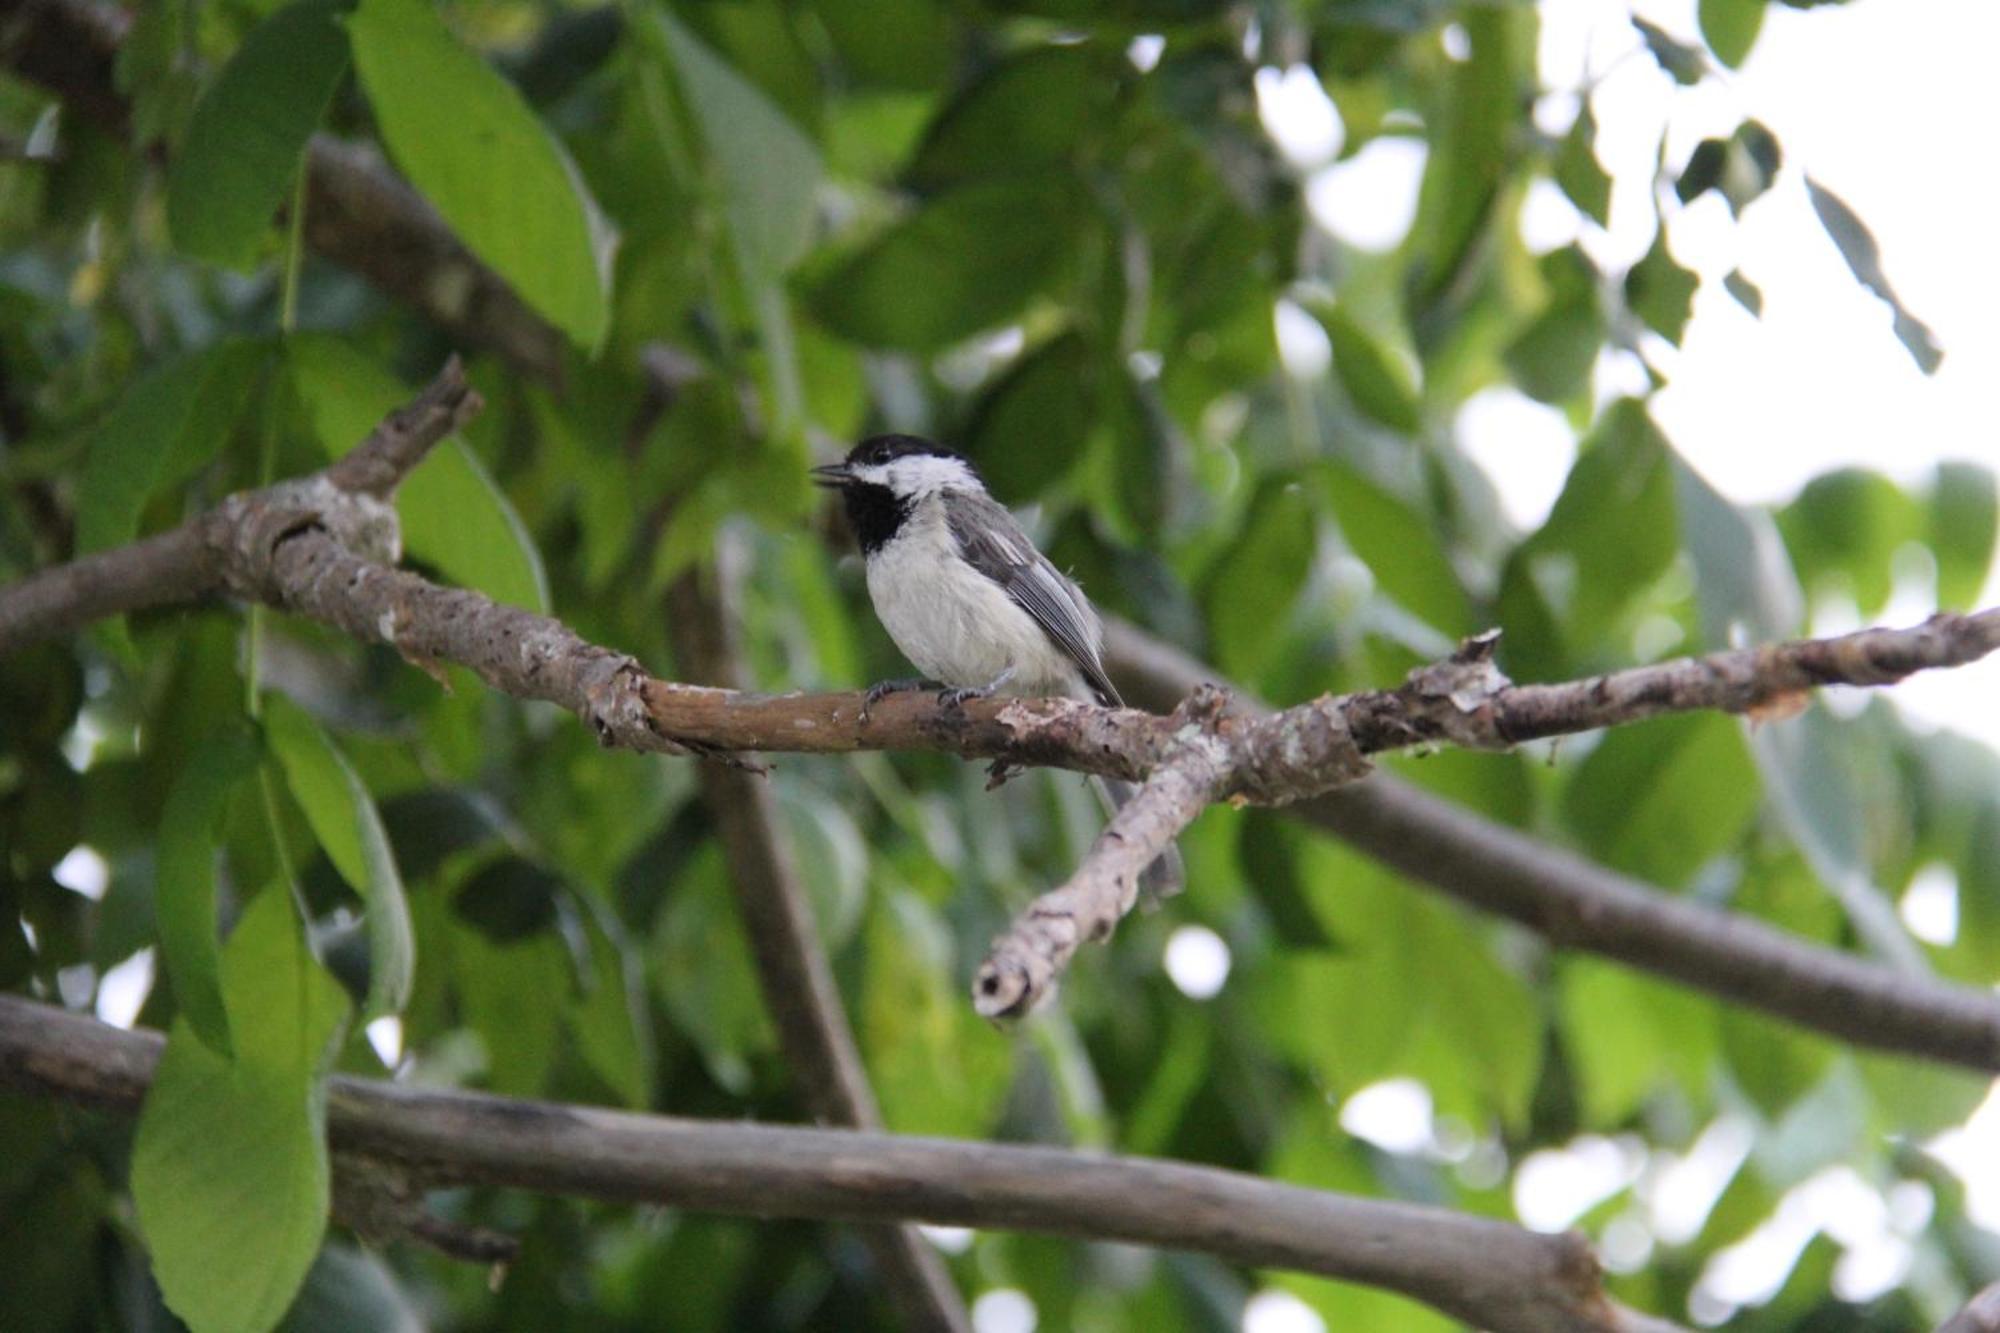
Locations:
(318, 545)
(1491, 1274)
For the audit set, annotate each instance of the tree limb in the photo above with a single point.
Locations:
(1491, 1274)
(1981, 1314)
(793, 971)
(1577, 904)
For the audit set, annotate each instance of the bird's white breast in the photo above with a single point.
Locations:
(954, 624)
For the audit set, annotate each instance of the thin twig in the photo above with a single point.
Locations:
(1491, 1274)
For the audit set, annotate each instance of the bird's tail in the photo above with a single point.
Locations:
(1166, 876)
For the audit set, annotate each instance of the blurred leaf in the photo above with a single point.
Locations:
(1626, 1033)
(167, 425)
(1612, 533)
(1844, 529)
(1747, 293)
(1026, 114)
(344, 819)
(1730, 28)
(610, 1019)
(513, 995)
(893, 43)
(1377, 382)
(1467, 164)
(454, 517)
(1031, 427)
(930, 280)
(1964, 517)
(1740, 168)
(349, 1288)
(1251, 588)
(465, 137)
(1857, 246)
(1676, 57)
(1774, 1063)
(1400, 547)
(703, 971)
(1660, 799)
(229, 1165)
(510, 898)
(1268, 850)
(244, 146)
(1661, 292)
(1578, 171)
(939, 1068)
(1742, 575)
(1552, 357)
(769, 170)
(186, 890)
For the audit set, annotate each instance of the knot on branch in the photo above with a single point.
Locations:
(1452, 696)
(251, 528)
(1296, 754)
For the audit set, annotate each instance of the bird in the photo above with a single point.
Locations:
(967, 596)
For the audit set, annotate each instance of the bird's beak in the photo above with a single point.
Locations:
(831, 475)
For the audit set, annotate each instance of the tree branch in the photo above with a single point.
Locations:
(311, 547)
(1981, 1314)
(793, 971)
(1577, 904)
(1490, 1274)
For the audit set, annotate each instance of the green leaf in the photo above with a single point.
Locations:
(344, 819)
(1730, 28)
(167, 425)
(769, 170)
(1740, 168)
(1611, 535)
(890, 43)
(243, 147)
(1026, 114)
(1552, 357)
(610, 1020)
(1747, 293)
(1626, 1033)
(1676, 57)
(1466, 168)
(229, 1166)
(1031, 428)
(1401, 548)
(1742, 576)
(1661, 799)
(936, 277)
(1252, 586)
(1857, 246)
(702, 970)
(514, 996)
(1374, 377)
(1578, 172)
(454, 516)
(1964, 514)
(1843, 530)
(468, 141)
(940, 1069)
(185, 903)
(1661, 292)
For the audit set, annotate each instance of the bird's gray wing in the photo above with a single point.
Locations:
(993, 543)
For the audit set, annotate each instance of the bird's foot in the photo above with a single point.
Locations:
(882, 689)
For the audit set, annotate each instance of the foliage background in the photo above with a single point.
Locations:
(1018, 228)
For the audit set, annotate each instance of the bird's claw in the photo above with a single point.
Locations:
(954, 700)
(882, 689)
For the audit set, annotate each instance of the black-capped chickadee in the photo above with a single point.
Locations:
(965, 594)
